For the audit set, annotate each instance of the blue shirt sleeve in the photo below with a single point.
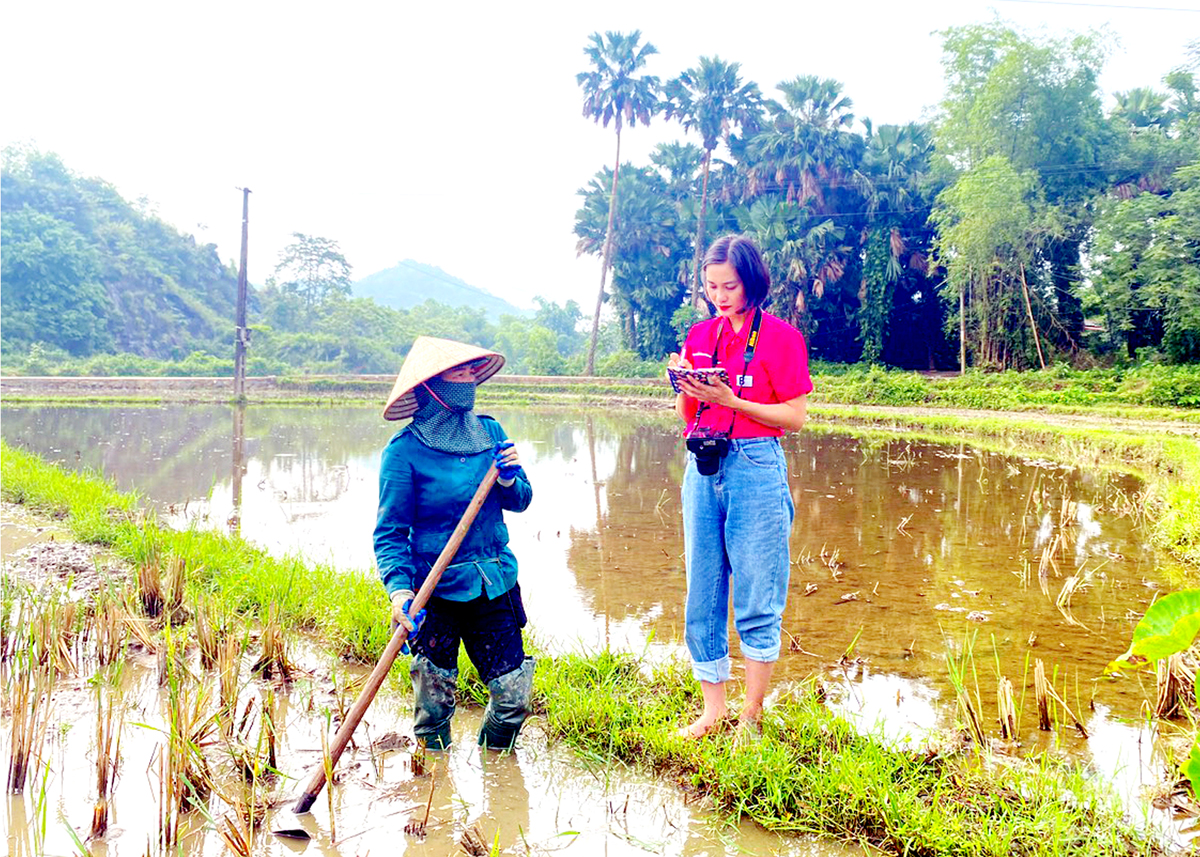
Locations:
(393, 523)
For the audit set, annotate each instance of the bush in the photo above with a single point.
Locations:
(626, 364)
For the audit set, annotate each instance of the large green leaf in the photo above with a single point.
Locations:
(1191, 768)
(1169, 626)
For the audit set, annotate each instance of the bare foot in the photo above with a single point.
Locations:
(701, 726)
(749, 724)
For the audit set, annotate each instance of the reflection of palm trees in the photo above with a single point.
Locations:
(591, 436)
(638, 533)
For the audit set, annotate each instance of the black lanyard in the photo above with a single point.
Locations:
(747, 356)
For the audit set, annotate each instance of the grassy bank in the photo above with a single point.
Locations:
(808, 772)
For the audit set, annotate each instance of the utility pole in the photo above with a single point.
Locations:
(242, 334)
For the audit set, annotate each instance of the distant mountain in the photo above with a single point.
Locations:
(410, 283)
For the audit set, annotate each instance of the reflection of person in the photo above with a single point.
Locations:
(737, 510)
(429, 473)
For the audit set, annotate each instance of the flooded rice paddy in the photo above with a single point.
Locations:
(903, 552)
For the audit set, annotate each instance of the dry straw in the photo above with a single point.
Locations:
(27, 696)
(273, 663)
(1007, 709)
(110, 718)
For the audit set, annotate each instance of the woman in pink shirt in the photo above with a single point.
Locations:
(737, 509)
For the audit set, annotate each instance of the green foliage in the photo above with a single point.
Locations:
(314, 270)
(1168, 627)
(1148, 250)
(52, 289)
(626, 364)
(529, 348)
(649, 253)
(87, 272)
(876, 295)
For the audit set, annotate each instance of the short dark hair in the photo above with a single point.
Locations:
(747, 261)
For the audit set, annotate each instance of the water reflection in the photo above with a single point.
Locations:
(901, 551)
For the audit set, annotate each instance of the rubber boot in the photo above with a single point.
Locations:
(507, 707)
(433, 695)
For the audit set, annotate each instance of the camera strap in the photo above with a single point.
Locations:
(747, 356)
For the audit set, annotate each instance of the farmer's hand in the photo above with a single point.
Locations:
(508, 462)
(401, 601)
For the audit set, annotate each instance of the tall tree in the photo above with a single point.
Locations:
(895, 265)
(1147, 253)
(614, 92)
(1142, 107)
(988, 223)
(1035, 103)
(807, 155)
(711, 99)
(312, 269)
(648, 250)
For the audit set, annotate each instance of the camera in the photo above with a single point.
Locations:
(708, 451)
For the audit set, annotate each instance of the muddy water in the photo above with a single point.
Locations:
(539, 800)
(902, 552)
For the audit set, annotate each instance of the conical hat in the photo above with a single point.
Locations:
(428, 357)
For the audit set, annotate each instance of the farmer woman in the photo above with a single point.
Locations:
(737, 510)
(429, 473)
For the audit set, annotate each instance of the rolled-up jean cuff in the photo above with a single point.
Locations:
(713, 672)
(766, 656)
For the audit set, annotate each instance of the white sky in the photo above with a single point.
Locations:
(449, 133)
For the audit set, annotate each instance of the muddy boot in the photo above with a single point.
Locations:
(433, 693)
(507, 708)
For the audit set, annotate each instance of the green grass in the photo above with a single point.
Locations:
(811, 772)
(1143, 386)
(239, 576)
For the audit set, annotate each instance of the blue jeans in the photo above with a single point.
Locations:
(736, 525)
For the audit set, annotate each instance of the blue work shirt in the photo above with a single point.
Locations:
(422, 495)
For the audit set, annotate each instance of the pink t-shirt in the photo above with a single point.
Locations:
(778, 369)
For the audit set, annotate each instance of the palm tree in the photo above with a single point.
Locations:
(711, 98)
(807, 145)
(807, 157)
(613, 92)
(1142, 107)
(647, 250)
(897, 236)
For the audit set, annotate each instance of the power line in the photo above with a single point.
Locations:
(1103, 5)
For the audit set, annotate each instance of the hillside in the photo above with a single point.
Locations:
(87, 272)
(408, 284)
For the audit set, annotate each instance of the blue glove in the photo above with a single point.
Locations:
(401, 601)
(507, 461)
